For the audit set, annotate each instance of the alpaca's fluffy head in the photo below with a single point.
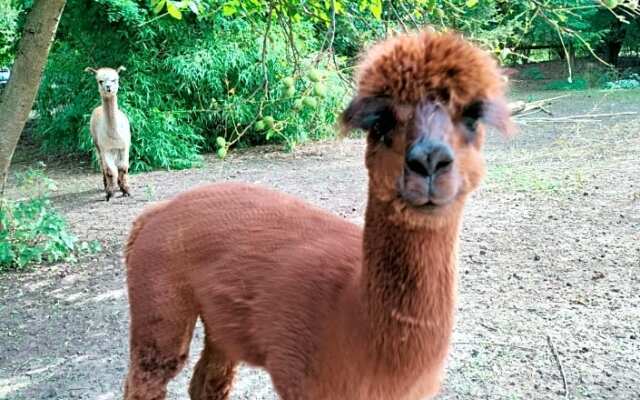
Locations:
(423, 99)
(108, 80)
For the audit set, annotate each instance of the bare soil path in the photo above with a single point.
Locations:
(549, 257)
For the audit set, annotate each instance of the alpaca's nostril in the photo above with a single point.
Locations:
(418, 167)
(429, 157)
(442, 165)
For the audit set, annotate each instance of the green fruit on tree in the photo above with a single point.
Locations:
(297, 105)
(222, 152)
(221, 142)
(310, 102)
(319, 89)
(314, 75)
(260, 125)
(290, 91)
(611, 3)
(289, 81)
(269, 121)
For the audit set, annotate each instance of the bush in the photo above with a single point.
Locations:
(187, 83)
(31, 230)
(623, 84)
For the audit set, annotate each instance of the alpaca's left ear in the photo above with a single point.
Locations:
(496, 113)
(373, 114)
(89, 69)
(120, 68)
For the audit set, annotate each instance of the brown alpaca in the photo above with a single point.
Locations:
(331, 311)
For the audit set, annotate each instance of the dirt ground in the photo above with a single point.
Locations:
(549, 261)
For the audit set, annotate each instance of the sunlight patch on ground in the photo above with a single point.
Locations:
(109, 295)
(8, 386)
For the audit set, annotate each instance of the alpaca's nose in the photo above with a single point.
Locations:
(429, 157)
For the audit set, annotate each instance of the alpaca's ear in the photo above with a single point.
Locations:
(373, 114)
(492, 112)
(89, 69)
(120, 68)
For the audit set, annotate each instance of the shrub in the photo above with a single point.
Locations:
(31, 230)
(623, 84)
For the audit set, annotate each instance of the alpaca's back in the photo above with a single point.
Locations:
(263, 269)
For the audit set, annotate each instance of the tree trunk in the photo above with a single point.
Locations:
(18, 96)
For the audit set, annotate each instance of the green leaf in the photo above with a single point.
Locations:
(611, 3)
(173, 10)
(471, 3)
(193, 6)
(159, 5)
(228, 10)
(376, 9)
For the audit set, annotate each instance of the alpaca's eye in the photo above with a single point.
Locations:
(470, 117)
(101, 82)
(381, 125)
(373, 114)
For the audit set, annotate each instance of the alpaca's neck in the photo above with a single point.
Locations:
(110, 107)
(408, 286)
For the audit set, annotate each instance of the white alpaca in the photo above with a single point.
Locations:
(111, 133)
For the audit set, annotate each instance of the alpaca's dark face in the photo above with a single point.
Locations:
(427, 156)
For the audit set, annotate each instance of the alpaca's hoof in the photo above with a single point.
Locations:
(125, 193)
(109, 196)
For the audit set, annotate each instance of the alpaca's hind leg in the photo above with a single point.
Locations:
(212, 376)
(159, 347)
(123, 181)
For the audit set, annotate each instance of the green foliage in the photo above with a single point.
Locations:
(632, 83)
(187, 82)
(31, 230)
(9, 23)
(564, 84)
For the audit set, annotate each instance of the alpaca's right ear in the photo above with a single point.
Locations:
(89, 69)
(373, 114)
(120, 69)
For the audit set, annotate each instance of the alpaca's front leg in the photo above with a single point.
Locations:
(123, 172)
(110, 174)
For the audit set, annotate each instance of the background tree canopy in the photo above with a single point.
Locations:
(206, 75)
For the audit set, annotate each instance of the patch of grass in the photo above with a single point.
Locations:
(519, 179)
(563, 84)
(532, 73)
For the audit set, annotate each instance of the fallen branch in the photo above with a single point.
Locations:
(518, 107)
(495, 344)
(576, 118)
(555, 355)
(573, 117)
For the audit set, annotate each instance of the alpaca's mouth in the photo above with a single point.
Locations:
(425, 193)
